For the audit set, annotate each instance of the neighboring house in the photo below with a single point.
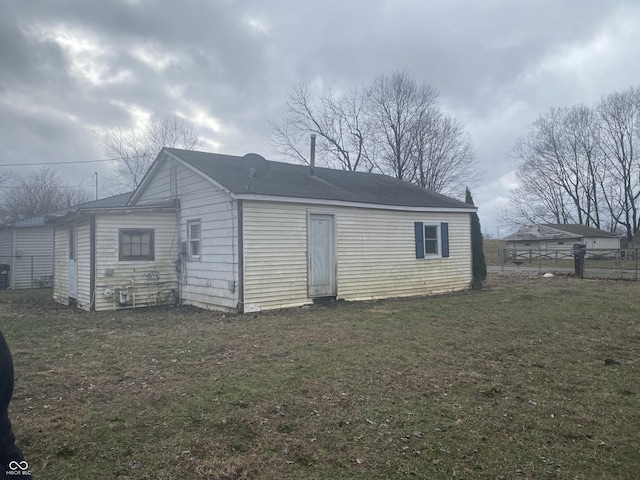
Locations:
(212, 231)
(27, 247)
(26, 254)
(560, 238)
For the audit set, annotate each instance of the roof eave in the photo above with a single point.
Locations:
(342, 203)
(80, 212)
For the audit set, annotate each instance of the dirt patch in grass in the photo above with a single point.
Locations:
(529, 378)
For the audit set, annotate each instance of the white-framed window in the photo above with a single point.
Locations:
(136, 244)
(431, 239)
(193, 238)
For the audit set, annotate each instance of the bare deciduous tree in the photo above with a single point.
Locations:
(619, 141)
(581, 165)
(552, 169)
(444, 156)
(393, 125)
(41, 192)
(136, 150)
(339, 124)
(401, 111)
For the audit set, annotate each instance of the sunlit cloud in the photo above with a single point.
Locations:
(140, 117)
(88, 59)
(257, 25)
(154, 57)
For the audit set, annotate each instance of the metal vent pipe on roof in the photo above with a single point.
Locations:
(312, 158)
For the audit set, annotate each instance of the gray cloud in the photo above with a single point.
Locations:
(73, 69)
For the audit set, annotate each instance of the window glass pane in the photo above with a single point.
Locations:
(430, 232)
(136, 244)
(194, 238)
(430, 239)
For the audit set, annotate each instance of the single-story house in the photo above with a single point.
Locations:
(219, 232)
(549, 237)
(26, 248)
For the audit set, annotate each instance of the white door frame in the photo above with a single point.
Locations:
(321, 255)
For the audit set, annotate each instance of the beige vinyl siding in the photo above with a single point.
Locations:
(148, 280)
(83, 249)
(61, 265)
(375, 254)
(601, 243)
(33, 255)
(275, 255)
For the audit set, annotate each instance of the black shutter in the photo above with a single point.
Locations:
(419, 234)
(444, 233)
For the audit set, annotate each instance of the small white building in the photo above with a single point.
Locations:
(550, 238)
(115, 257)
(27, 247)
(26, 254)
(215, 232)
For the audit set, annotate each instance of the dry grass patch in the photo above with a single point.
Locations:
(531, 378)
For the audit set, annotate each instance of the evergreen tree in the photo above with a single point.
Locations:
(477, 251)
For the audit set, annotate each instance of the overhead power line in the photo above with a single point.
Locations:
(67, 163)
(49, 187)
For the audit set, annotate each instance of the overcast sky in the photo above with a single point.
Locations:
(72, 70)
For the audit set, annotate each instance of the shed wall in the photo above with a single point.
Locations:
(375, 254)
(5, 244)
(148, 282)
(275, 255)
(33, 256)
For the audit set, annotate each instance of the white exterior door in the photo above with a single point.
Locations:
(73, 264)
(322, 269)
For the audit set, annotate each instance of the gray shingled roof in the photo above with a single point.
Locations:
(581, 230)
(114, 201)
(289, 180)
(554, 231)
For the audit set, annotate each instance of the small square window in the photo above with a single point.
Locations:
(136, 244)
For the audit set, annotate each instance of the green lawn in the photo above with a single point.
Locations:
(530, 378)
